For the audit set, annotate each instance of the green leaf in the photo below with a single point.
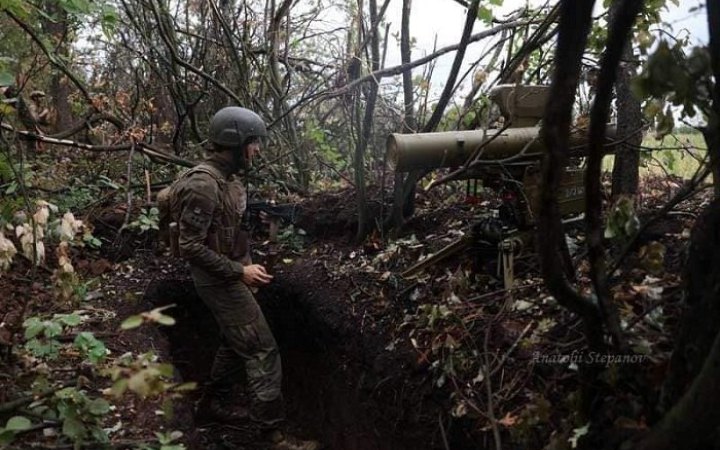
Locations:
(12, 188)
(119, 388)
(652, 257)
(73, 428)
(70, 320)
(166, 370)
(138, 383)
(18, 423)
(76, 6)
(485, 14)
(17, 7)
(132, 322)
(622, 220)
(665, 124)
(190, 386)
(173, 447)
(98, 407)
(105, 181)
(109, 20)
(85, 339)
(6, 78)
(52, 329)
(43, 350)
(6, 436)
(99, 435)
(33, 327)
(68, 393)
(93, 348)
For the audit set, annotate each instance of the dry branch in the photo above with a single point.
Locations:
(142, 147)
(575, 22)
(399, 69)
(617, 40)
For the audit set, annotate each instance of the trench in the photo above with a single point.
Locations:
(340, 389)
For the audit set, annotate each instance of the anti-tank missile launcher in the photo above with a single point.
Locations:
(506, 159)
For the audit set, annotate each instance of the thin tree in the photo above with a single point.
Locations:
(625, 175)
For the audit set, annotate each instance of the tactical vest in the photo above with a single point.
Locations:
(226, 234)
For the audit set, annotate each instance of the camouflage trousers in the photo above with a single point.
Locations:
(246, 344)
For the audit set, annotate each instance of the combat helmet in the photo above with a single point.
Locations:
(233, 125)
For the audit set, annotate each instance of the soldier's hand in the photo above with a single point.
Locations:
(256, 275)
(264, 217)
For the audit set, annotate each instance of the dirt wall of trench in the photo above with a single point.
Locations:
(341, 385)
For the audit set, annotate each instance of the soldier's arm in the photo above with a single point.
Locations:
(199, 198)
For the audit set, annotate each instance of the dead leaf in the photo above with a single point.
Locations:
(627, 423)
(508, 420)
(100, 266)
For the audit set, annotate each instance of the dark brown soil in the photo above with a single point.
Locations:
(340, 384)
(352, 379)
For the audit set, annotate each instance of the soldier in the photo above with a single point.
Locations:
(208, 203)
(32, 113)
(39, 112)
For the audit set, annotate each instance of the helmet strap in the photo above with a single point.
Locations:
(240, 160)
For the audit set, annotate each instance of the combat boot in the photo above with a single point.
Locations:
(284, 441)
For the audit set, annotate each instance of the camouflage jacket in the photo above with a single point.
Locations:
(208, 207)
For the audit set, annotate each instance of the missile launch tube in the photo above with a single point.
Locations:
(452, 148)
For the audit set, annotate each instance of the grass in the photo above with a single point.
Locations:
(678, 154)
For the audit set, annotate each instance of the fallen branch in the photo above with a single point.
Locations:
(128, 211)
(503, 291)
(18, 402)
(119, 444)
(147, 149)
(511, 349)
(72, 336)
(88, 123)
(442, 433)
(488, 390)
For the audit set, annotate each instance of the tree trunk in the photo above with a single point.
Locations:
(712, 140)
(619, 36)
(277, 90)
(366, 126)
(59, 87)
(449, 88)
(692, 421)
(409, 122)
(701, 320)
(625, 176)
(575, 23)
(712, 133)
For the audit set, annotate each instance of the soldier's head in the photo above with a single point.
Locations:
(239, 131)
